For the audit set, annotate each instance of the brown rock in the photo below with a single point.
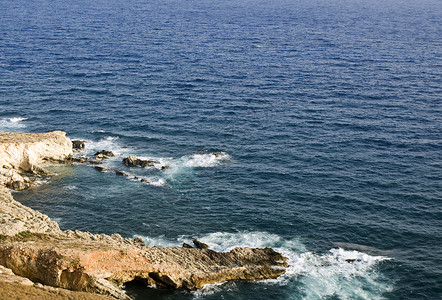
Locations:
(34, 247)
(101, 169)
(78, 144)
(18, 185)
(139, 241)
(200, 245)
(132, 161)
(103, 154)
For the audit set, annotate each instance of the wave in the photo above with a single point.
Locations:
(70, 187)
(110, 143)
(12, 123)
(205, 160)
(340, 273)
(170, 167)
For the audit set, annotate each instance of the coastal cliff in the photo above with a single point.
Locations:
(24, 154)
(33, 247)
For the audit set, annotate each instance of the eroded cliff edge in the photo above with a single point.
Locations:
(34, 247)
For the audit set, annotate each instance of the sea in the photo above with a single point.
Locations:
(310, 126)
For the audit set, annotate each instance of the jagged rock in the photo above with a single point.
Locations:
(139, 241)
(78, 144)
(26, 153)
(16, 218)
(81, 159)
(185, 245)
(95, 162)
(165, 168)
(120, 173)
(33, 246)
(200, 245)
(132, 161)
(144, 180)
(103, 154)
(18, 185)
(101, 169)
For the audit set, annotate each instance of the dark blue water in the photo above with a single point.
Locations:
(327, 114)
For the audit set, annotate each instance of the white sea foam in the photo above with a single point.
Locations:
(158, 241)
(109, 143)
(12, 123)
(205, 160)
(70, 187)
(214, 288)
(17, 119)
(41, 181)
(158, 182)
(346, 274)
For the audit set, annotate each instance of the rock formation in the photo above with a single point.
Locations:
(23, 154)
(103, 154)
(78, 144)
(133, 161)
(33, 247)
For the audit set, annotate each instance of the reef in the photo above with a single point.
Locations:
(37, 254)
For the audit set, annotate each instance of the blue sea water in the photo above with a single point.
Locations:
(327, 114)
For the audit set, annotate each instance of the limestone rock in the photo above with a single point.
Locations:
(22, 153)
(16, 218)
(34, 247)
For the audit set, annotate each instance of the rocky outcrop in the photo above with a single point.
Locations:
(102, 264)
(133, 161)
(103, 154)
(78, 144)
(23, 155)
(16, 218)
(33, 247)
(13, 286)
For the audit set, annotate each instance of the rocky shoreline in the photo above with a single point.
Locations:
(39, 254)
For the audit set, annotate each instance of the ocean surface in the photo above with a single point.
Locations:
(327, 115)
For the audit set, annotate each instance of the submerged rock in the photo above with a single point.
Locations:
(120, 173)
(101, 169)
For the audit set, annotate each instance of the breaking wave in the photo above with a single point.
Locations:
(205, 160)
(12, 123)
(340, 273)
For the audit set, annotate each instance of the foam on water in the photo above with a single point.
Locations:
(12, 123)
(70, 187)
(109, 143)
(17, 119)
(346, 274)
(204, 160)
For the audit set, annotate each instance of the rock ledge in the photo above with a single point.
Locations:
(33, 247)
